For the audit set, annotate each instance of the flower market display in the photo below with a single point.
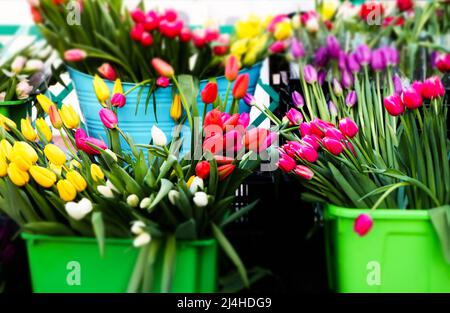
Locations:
(161, 182)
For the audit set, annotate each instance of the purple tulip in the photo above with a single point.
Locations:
(310, 74)
(321, 57)
(379, 61)
(333, 47)
(342, 61)
(397, 84)
(108, 118)
(321, 76)
(297, 99)
(434, 58)
(352, 63)
(347, 79)
(392, 56)
(249, 99)
(363, 54)
(351, 99)
(297, 49)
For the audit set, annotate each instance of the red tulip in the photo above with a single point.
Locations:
(371, 8)
(240, 86)
(225, 170)
(209, 93)
(231, 122)
(256, 139)
(146, 39)
(136, 32)
(213, 117)
(411, 98)
(405, 5)
(185, 34)
(107, 71)
(202, 169)
(222, 45)
(231, 68)
(108, 118)
(304, 172)
(170, 15)
(308, 153)
(286, 163)
(170, 29)
(363, 224)
(348, 127)
(418, 86)
(433, 88)
(162, 67)
(151, 21)
(443, 62)
(222, 160)
(75, 55)
(162, 82)
(333, 146)
(213, 143)
(118, 100)
(137, 15)
(394, 105)
(36, 14)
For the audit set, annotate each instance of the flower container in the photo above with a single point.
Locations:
(15, 110)
(401, 253)
(74, 265)
(137, 123)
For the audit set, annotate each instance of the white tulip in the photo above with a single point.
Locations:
(312, 25)
(201, 199)
(138, 227)
(85, 205)
(295, 21)
(173, 196)
(133, 200)
(111, 186)
(158, 136)
(23, 90)
(34, 65)
(78, 211)
(196, 185)
(145, 203)
(18, 63)
(105, 191)
(2, 96)
(142, 240)
(112, 154)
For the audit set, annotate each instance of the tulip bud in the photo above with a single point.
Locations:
(173, 196)
(162, 67)
(145, 203)
(333, 47)
(337, 88)
(175, 109)
(405, 5)
(22, 148)
(54, 154)
(158, 136)
(137, 15)
(77, 180)
(200, 199)
(3, 166)
(398, 88)
(110, 185)
(249, 100)
(105, 191)
(108, 118)
(378, 61)
(347, 79)
(304, 172)
(97, 173)
(351, 99)
(185, 34)
(433, 88)
(240, 86)
(55, 117)
(297, 49)
(7, 123)
(363, 54)
(142, 240)
(333, 133)
(101, 89)
(43, 176)
(225, 170)
(305, 129)
(209, 93)
(286, 163)
(5, 149)
(348, 127)
(79, 210)
(75, 55)
(411, 98)
(231, 68)
(118, 88)
(43, 129)
(23, 89)
(146, 39)
(27, 130)
(311, 140)
(66, 190)
(111, 154)
(307, 153)
(118, 100)
(312, 25)
(244, 120)
(133, 200)
(394, 105)
(18, 64)
(363, 224)
(310, 74)
(136, 32)
(297, 99)
(294, 116)
(277, 47)
(333, 146)
(162, 82)
(353, 63)
(196, 184)
(202, 169)
(137, 227)
(69, 116)
(18, 177)
(107, 71)
(442, 62)
(44, 102)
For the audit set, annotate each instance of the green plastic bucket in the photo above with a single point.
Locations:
(401, 253)
(15, 110)
(74, 265)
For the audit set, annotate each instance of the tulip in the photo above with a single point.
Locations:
(27, 130)
(334, 133)
(136, 32)
(333, 46)
(305, 129)
(195, 183)
(398, 88)
(342, 61)
(294, 116)
(312, 140)
(332, 145)
(405, 5)
(137, 227)
(142, 240)
(304, 172)
(82, 142)
(18, 64)
(321, 57)
(34, 66)
(292, 148)
(240, 86)
(162, 82)
(337, 88)
(66, 190)
(43, 176)
(308, 153)
(69, 116)
(312, 25)
(411, 98)
(369, 9)
(107, 71)
(232, 141)
(23, 89)
(442, 62)
(363, 224)
(277, 47)
(213, 143)
(36, 15)
(297, 99)
(318, 127)
(391, 55)
(77, 180)
(111, 154)
(79, 210)
(108, 118)
(173, 196)
(74, 164)
(310, 74)
(146, 39)
(198, 38)
(96, 173)
(378, 61)
(162, 67)
(75, 55)
(54, 154)
(249, 100)
(23, 162)
(200, 199)
(213, 117)
(185, 34)
(101, 89)
(110, 185)
(55, 117)
(225, 170)
(353, 63)
(348, 127)
(137, 15)
(44, 102)
(231, 68)
(118, 88)
(57, 169)
(106, 192)
(22, 148)
(363, 54)
(170, 29)
(175, 109)
(255, 139)
(433, 88)
(297, 49)
(244, 120)
(158, 136)
(347, 79)
(209, 93)
(5, 149)
(3, 166)
(394, 105)
(222, 160)
(18, 177)
(118, 100)
(332, 108)
(286, 163)
(202, 169)
(43, 129)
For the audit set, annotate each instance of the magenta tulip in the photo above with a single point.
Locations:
(347, 79)
(136, 32)
(118, 100)
(363, 54)
(75, 55)
(244, 119)
(162, 82)
(310, 74)
(297, 99)
(332, 145)
(378, 61)
(398, 86)
(146, 39)
(334, 133)
(305, 129)
(277, 47)
(108, 118)
(137, 15)
(433, 88)
(304, 172)
(312, 140)
(321, 57)
(333, 47)
(348, 127)
(363, 224)
(297, 49)
(286, 163)
(352, 63)
(308, 153)
(351, 99)
(294, 116)
(411, 98)
(394, 105)
(82, 142)
(249, 99)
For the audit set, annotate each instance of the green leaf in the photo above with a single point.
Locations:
(99, 230)
(168, 264)
(238, 214)
(166, 186)
(48, 228)
(187, 230)
(138, 271)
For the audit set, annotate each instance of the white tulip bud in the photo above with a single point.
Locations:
(18, 63)
(112, 154)
(142, 240)
(23, 90)
(138, 227)
(111, 186)
(295, 21)
(85, 205)
(158, 136)
(79, 210)
(201, 199)
(133, 200)
(145, 203)
(173, 196)
(197, 184)
(105, 191)
(34, 65)
(312, 25)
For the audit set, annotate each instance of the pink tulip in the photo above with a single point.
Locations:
(162, 67)
(411, 98)
(137, 15)
(118, 100)
(151, 21)
(146, 39)
(170, 15)
(107, 71)
(286, 163)
(294, 116)
(75, 55)
(318, 127)
(348, 127)
(136, 32)
(350, 147)
(232, 141)
(270, 138)
(185, 34)
(82, 142)
(334, 133)
(213, 144)
(170, 29)
(308, 153)
(277, 47)
(211, 34)
(443, 62)
(333, 146)
(433, 88)
(418, 86)
(244, 119)
(304, 172)
(108, 118)
(394, 105)
(291, 148)
(231, 121)
(312, 140)
(363, 224)
(162, 82)
(305, 129)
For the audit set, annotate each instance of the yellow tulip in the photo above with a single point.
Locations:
(43, 176)
(69, 116)
(239, 47)
(66, 190)
(54, 154)
(101, 89)
(249, 28)
(190, 180)
(74, 164)
(44, 102)
(22, 148)
(27, 130)
(328, 9)
(97, 173)
(57, 169)
(118, 87)
(5, 148)
(283, 30)
(7, 123)
(42, 127)
(17, 176)
(22, 161)
(175, 109)
(77, 180)
(3, 167)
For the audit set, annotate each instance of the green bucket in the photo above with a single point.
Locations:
(401, 253)
(74, 265)
(16, 110)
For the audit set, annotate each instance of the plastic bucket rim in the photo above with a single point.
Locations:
(16, 102)
(397, 214)
(129, 84)
(73, 239)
